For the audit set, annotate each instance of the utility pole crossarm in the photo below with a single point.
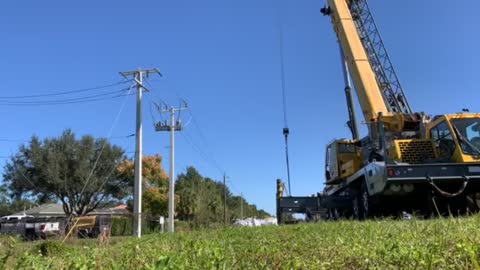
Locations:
(138, 75)
(146, 72)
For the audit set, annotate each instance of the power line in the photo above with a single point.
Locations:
(232, 186)
(110, 138)
(202, 153)
(65, 100)
(150, 86)
(114, 123)
(123, 137)
(107, 178)
(107, 95)
(195, 123)
(63, 103)
(202, 136)
(155, 93)
(206, 155)
(66, 92)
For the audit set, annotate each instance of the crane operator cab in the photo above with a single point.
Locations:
(342, 160)
(456, 138)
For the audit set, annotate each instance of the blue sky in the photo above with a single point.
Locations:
(223, 58)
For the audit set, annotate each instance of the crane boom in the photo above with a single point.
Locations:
(376, 83)
(368, 91)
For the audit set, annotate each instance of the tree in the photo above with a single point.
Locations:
(201, 200)
(154, 182)
(9, 206)
(186, 188)
(81, 174)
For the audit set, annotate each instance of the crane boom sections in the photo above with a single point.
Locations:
(377, 86)
(364, 79)
(382, 66)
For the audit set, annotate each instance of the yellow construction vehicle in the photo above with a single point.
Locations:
(408, 161)
(89, 226)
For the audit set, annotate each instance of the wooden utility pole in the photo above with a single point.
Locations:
(241, 205)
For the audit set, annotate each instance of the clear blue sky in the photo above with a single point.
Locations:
(223, 57)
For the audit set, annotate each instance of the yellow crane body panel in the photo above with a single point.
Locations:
(365, 82)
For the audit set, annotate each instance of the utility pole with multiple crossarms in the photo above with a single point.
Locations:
(171, 127)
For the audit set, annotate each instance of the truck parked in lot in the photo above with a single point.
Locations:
(30, 227)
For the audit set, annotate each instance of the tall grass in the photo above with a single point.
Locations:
(445, 243)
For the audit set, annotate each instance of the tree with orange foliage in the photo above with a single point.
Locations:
(154, 181)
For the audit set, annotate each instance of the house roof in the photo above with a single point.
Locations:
(118, 210)
(49, 209)
(52, 209)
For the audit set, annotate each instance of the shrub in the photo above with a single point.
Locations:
(50, 248)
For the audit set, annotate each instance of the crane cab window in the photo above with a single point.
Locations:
(442, 137)
(346, 148)
(468, 132)
(327, 163)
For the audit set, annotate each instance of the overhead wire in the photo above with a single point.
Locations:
(108, 176)
(23, 175)
(113, 137)
(207, 157)
(199, 130)
(40, 102)
(63, 103)
(123, 137)
(232, 186)
(69, 101)
(147, 81)
(201, 153)
(114, 123)
(67, 92)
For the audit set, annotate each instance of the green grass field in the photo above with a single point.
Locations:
(407, 244)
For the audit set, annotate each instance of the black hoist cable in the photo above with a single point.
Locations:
(286, 131)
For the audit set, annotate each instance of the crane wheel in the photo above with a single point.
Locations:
(365, 202)
(333, 214)
(473, 202)
(361, 202)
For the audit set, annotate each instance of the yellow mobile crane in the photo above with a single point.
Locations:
(408, 161)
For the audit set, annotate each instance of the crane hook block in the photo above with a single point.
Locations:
(286, 131)
(326, 11)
